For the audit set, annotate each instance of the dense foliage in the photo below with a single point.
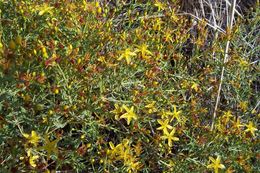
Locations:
(125, 87)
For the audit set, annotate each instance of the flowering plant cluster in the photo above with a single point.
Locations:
(124, 87)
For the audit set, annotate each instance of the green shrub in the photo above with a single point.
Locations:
(87, 86)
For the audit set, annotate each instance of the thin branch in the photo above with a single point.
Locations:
(202, 9)
(207, 22)
(258, 103)
(225, 61)
(235, 8)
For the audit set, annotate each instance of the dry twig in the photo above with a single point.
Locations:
(230, 25)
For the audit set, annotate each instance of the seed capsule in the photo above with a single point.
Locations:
(18, 40)
(12, 45)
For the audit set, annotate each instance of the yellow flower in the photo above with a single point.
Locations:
(126, 154)
(159, 5)
(97, 4)
(113, 150)
(243, 63)
(50, 146)
(33, 138)
(132, 165)
(237, 124)
(174, 17)
(168, 36)
(102, 59)
(129, 115)
(175, 114)
(195, 86)
(119, 150)
(56, 91)
(243, 106)
(32, 158)
(127, 54)
(1, 48)
(251, 128)
(164, 125)
(99, 10)
(215, 164)
(227, 115)
(158, 24)
(170, 137)
(118, 110)
(164, 114)
(69, 50)
(44, 53)
(44, 9)
(151, 107)
(124, 35)
(144, 51)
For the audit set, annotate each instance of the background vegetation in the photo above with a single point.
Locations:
(128, 86)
